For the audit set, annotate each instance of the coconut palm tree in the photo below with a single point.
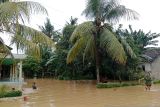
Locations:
(48, 28)
(13, 15)
(72, 21)
(94, 38)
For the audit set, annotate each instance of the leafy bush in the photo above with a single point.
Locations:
(13, 93)
(4, 92)
(156, 82)
(112, 85)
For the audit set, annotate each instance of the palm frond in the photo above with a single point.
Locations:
(92, 8)
(89, 48)
(76, 49)
(152, 35)
(10, 11)
(28, 46)
(108, 6)
(108, 10)
(121, 12)
(84, 29)
(32, 7)
(127, 48)
(34, 35)
(153, 42)
(113, 47)
(130, 28)
(83, 39)
(29, 39)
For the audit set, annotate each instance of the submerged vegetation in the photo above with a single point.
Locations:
(7, 92)
(156, 82)
(116, 84)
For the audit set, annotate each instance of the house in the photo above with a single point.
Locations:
(11, 68)
(10, 64)
(152, 64)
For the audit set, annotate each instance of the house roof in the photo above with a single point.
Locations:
(10, 60)
(6, 56)
(152, 53)
(17, 56)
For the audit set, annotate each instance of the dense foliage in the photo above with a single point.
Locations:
(93, 49)
(13, 16)
(53, 63)
(5, 92)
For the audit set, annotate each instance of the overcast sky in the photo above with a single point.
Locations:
(59, 11)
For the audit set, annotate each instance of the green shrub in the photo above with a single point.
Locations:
(5, 92)
(108, 85)
(13, 93)
(112, 85)
(156, 82)
(3, 88)
(126, 84)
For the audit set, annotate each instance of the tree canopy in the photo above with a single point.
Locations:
(13, 16)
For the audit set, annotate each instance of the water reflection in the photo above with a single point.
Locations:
(55, 93)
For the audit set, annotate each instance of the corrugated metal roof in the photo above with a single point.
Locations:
(152, 53)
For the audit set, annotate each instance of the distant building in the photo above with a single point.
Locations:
(11, 68)
(152, 65)
(10, 64)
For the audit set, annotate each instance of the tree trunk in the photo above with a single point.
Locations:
(0, 71)
(97, 58)
(97, 71)
(96, 36)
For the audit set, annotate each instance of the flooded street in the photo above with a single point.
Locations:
(56, 93)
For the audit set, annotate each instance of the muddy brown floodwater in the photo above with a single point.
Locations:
(56, 93)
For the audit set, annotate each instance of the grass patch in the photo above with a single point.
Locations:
(6, 92)
(116, 84)
(156, 82)
(13, 93)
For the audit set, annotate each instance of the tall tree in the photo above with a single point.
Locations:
(72, 21)
(49, 30)
(13, 16)
(57, 61)
(94, 38)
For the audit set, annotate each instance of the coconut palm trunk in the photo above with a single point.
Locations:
(97, 53)
(97, 59)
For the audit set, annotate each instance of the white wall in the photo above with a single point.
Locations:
(155, 69)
